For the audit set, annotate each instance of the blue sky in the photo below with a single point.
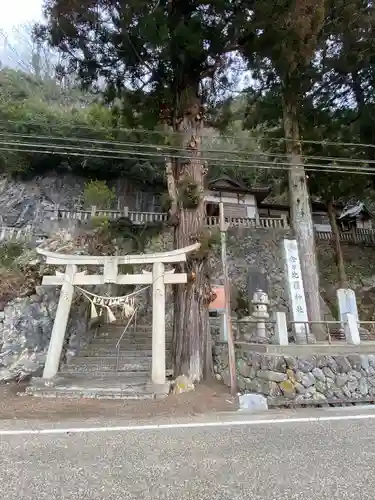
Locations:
(16, 12)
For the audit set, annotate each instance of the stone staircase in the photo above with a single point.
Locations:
(97, 372)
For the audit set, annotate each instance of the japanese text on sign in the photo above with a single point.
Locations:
(295, 285)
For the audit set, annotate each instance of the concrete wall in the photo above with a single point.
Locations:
(303, 374)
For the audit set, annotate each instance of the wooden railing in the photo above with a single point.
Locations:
(359, 236)
(143, 217)
(28, 233)
(263, 222)
(84, 215)
(16, 233)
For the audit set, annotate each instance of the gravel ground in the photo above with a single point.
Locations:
(207, 398)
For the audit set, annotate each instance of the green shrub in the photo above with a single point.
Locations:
(100, 222)
(98, 194)
(9, 252)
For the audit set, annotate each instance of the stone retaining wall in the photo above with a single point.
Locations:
(318, 377)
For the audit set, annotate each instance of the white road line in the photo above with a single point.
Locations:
(187, 425)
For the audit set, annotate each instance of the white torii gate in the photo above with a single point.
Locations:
(158, 279)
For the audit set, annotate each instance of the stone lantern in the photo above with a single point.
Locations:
(260, 304)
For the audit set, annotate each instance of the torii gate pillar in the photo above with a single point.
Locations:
(158, 324)
(59, 326)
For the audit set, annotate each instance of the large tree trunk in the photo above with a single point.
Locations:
(301, 218)
(337, 245)
(192, 340)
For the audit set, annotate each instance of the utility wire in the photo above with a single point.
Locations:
(177, 133)
(161, 147)
(219, 161)
(236, 161)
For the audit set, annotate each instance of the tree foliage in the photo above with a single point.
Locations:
(45, 127)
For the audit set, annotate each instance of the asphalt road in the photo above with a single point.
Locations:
(271, 461)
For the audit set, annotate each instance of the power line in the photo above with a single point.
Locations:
(172, 149)
(177, 133)
(215, 161)
(184, 156)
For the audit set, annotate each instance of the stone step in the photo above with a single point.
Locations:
(115, 339)
(108, 366)
(120, 328)
(135, 337)
(124, 342)
(51, 392)
(102, 359)
(115, 334)
(126, 350)
(83, 355)
(129, 378)
(108, 370)
(99, 386)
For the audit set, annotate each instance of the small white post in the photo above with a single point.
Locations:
(281, 329)
(126, 211)
(93, 210)
(158, 324)
(351, 330)
(60, 323)
(347, 304)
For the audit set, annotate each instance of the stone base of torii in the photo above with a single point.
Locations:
(157, 279)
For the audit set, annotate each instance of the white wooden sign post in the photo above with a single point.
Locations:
(158, 279)
(296, 291)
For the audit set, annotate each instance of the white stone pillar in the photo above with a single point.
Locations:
(158, 324)
(351, 330)
(59, 326)
(281, 328)
(347, 304)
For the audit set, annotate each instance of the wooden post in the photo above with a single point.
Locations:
(158, 324)
(59, 326)
(228, 311)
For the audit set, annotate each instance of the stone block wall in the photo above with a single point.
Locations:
(302, 378)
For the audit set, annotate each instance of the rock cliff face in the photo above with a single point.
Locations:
(23, 202)
(26, 331)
